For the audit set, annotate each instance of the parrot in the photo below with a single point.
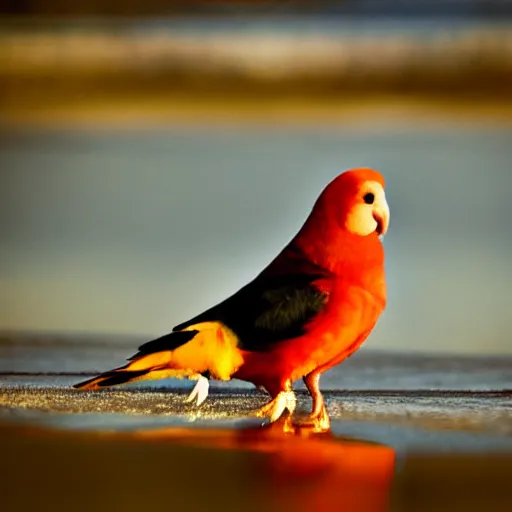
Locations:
(311, 308)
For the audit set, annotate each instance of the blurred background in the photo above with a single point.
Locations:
(155, 156)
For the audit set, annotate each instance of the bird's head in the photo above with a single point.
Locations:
(346, 223)
(356, 202)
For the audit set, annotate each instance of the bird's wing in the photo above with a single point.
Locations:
(270, 309)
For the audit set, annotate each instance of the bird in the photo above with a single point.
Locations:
(310, 309)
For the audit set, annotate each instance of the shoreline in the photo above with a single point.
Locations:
(481, 412)
(359, 112)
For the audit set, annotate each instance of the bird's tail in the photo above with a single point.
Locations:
(207, 347)
(124, 375)
(152, 362)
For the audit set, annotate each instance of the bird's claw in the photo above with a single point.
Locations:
(275, 408)
(315, 422)
(200, 391)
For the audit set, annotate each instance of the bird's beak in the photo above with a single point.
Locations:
(381, 216)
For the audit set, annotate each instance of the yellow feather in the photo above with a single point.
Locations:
(150, 361)
(166, 373)
(214, 349)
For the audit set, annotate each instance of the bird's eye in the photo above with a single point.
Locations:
(369, 198)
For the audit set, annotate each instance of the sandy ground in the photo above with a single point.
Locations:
(485, 413)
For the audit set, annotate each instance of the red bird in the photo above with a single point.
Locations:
(311, 308)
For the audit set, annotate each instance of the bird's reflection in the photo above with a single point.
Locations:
(300, 468)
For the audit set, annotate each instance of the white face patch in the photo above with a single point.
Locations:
(370, 211)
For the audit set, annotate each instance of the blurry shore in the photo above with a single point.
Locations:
(260, 67)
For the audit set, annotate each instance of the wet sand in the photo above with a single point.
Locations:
(237, 469)
(215, 469)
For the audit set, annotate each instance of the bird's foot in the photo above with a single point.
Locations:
(200, 391)
(275, 408)
(315, 422)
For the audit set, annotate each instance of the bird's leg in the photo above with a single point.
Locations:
(282, 399)
(318, 419)
(200, 391)
(312, 381)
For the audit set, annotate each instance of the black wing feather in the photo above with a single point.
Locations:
(268, 309)
(170, 341)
